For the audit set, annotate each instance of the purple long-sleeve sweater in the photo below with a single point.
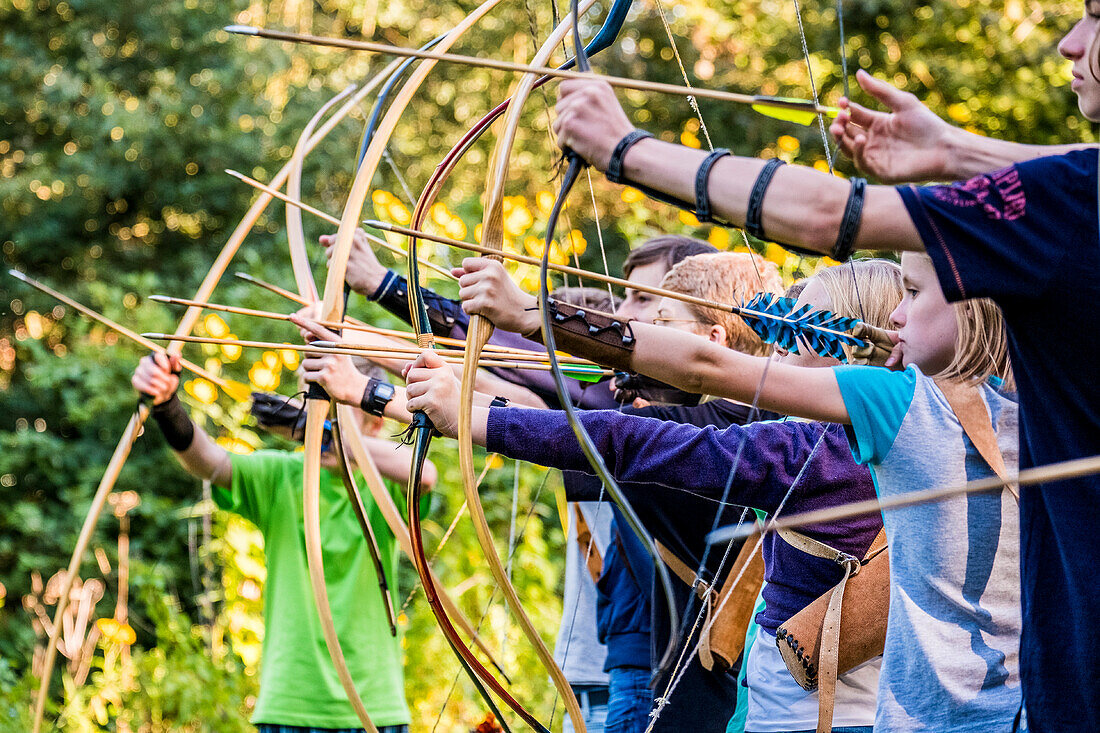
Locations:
(649, 455)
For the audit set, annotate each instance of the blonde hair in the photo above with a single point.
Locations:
(729, 278)
(981, 344)
(868, 289)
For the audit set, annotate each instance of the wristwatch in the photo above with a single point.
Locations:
(376, 396)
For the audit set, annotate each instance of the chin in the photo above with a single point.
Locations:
(1090, 108)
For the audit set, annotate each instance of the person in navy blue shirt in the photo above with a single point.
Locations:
(1026, 236)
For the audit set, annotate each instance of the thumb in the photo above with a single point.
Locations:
(890, 96)
(428, 358)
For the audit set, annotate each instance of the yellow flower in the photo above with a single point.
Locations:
(688, 219)
(534, 246)
(775, 253)
(494, 461)
(632, 195)
(399, 213)
(290, 358)
(477, 232)
(821, 165)
(576, 243)
(959, 112)
(439, 214)
(215, 326)
(517, 220)
(544, 200)
(381, 198)
(233, 445)
(262, 377)
(789, 144)
(456, 228)
(690, 139)
(272, 361)
(231, 352)
(719, 237)
(116, 632)
(201, 390)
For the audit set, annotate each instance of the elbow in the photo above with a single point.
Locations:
(706, 368)
(821, 225)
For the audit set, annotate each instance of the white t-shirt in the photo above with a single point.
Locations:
(777, 703)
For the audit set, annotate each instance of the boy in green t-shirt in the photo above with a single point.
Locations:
(299, 688)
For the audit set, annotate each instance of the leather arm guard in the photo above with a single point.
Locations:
(590, 334)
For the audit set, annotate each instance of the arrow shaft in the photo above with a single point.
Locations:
(615, 81)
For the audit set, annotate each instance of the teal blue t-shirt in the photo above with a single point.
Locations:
(952, 661)
(298, 682)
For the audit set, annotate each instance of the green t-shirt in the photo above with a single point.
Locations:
(298, 682)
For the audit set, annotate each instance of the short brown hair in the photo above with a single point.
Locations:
(596, 299)
(667, 248)
(728, 278)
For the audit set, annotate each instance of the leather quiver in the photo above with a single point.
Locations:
(863, 611)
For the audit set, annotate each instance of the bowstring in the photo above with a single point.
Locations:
(681, 666)
(492, 597)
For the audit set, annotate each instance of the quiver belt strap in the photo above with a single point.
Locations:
(813, 643)
(595, 335)
(728, 611)
(966, 402)
(589, 551)
(876, 349)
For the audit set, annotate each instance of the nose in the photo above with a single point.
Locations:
(897, 316)
(1073, 44)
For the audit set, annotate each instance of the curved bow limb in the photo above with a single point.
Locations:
(331, 308)
(392, 514)
(133, 429)
(477, 335)
(299, 255)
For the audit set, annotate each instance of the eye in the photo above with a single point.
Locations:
(911, 292)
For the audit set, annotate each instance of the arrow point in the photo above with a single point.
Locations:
(160, 298)
(243, 30)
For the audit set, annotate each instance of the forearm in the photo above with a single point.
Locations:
(802, 207)
(204, 459)
(699, 366)
(972, 155)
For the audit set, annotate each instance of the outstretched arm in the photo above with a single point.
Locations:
(803, 207)
(156, 376)
(909, 143)
(674, 357)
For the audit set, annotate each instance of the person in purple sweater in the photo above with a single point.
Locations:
(796, 465)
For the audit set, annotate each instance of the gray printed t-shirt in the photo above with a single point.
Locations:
(578, 652)
(951, 662)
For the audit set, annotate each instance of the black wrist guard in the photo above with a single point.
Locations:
(175, 424)
(376, 396)
(629, 387)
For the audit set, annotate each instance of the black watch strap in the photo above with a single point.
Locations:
(755, 213)
(615, 165)
(376, 396)
(499, 401)
(702, 179)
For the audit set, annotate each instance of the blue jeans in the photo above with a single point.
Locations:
(593, 702)
(630, 700)
(268, 728)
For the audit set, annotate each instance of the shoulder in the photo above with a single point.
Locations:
(267, 462)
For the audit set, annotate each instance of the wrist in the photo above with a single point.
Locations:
(378, 284)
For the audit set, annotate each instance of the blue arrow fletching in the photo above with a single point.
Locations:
(776, 321)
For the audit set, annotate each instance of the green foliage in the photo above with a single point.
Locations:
(115, 123)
